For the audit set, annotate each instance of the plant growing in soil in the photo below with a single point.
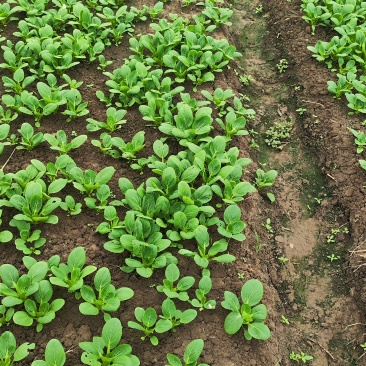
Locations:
(9, 353)
(71, 275)
(148, 323)
(206, 253)
(89, 181)
(29, 242)
(54, 355)
(114, 121)
(70, 206)
(190, 357)
(107, 299)
(303, 357)
(29, 139)
(60, 144)
(172, 317)
(180, 289)
(106, 350)
(204, 287)
(6, 314)
(232, 226)
(32, 207)
(40, 309)
(249, 315)
(265, 179)
(15, 289)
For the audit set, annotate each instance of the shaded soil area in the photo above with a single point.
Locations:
(319, 189)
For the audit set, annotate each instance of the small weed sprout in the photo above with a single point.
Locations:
(259, 9)
(301, 111)
(283, 260)
(278, 134)
(300, 357)
(282, 65)
(284, 320)
(333, 257)
(268, 226)
(241, 276)
(258, 244)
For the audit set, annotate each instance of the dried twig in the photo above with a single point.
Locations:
(323, 348)
(7, 161)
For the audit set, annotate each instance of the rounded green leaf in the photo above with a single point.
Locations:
(252, 292)
(259, 331)
(233, 322)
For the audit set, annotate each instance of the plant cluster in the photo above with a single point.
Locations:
(345, 52)
(190, 195)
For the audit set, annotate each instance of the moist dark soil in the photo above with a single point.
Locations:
(320, 187)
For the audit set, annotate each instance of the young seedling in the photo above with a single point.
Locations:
(70, 206)
(190, 357)
(54, 355)
(204, 287)
(180, 289)
(6, 314)
(106, 298)
(106, 350)
(249, 315)
(29, 242)
(146, 324)
(9, 353)
(114, 121)
(232, 226)
(29, 140)
(60, 144)
(172, 317)
(297, 357)
(206, 253)
(40, 310)
(16, 289)
(265, 179)
(72, 274)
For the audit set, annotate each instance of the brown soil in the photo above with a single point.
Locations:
(324, 301)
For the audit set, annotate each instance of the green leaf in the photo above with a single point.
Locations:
(22, 318)
(22, 351)
(231, 302)
(88, 309)
(252, 292)
(232, 214)
(193, 351)
(259, 331)
(112, 333)
(54, 353)
(173, 360)
(172, 272)
(102, 278)
(233, 322)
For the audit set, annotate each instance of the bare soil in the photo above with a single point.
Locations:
(323, 300)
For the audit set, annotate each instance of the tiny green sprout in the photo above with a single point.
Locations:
(301, 111)
(241, 276)
(300, 357)
(335, 231)
(283, 260)
(268, 226)
(259, 9)
(333, 257)
(297, 87)
(330, 238)
(346, 230)
(90, 225)
(282, 65)
(284, 320)
(363, 346)
(258, 244)
(318, 200)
